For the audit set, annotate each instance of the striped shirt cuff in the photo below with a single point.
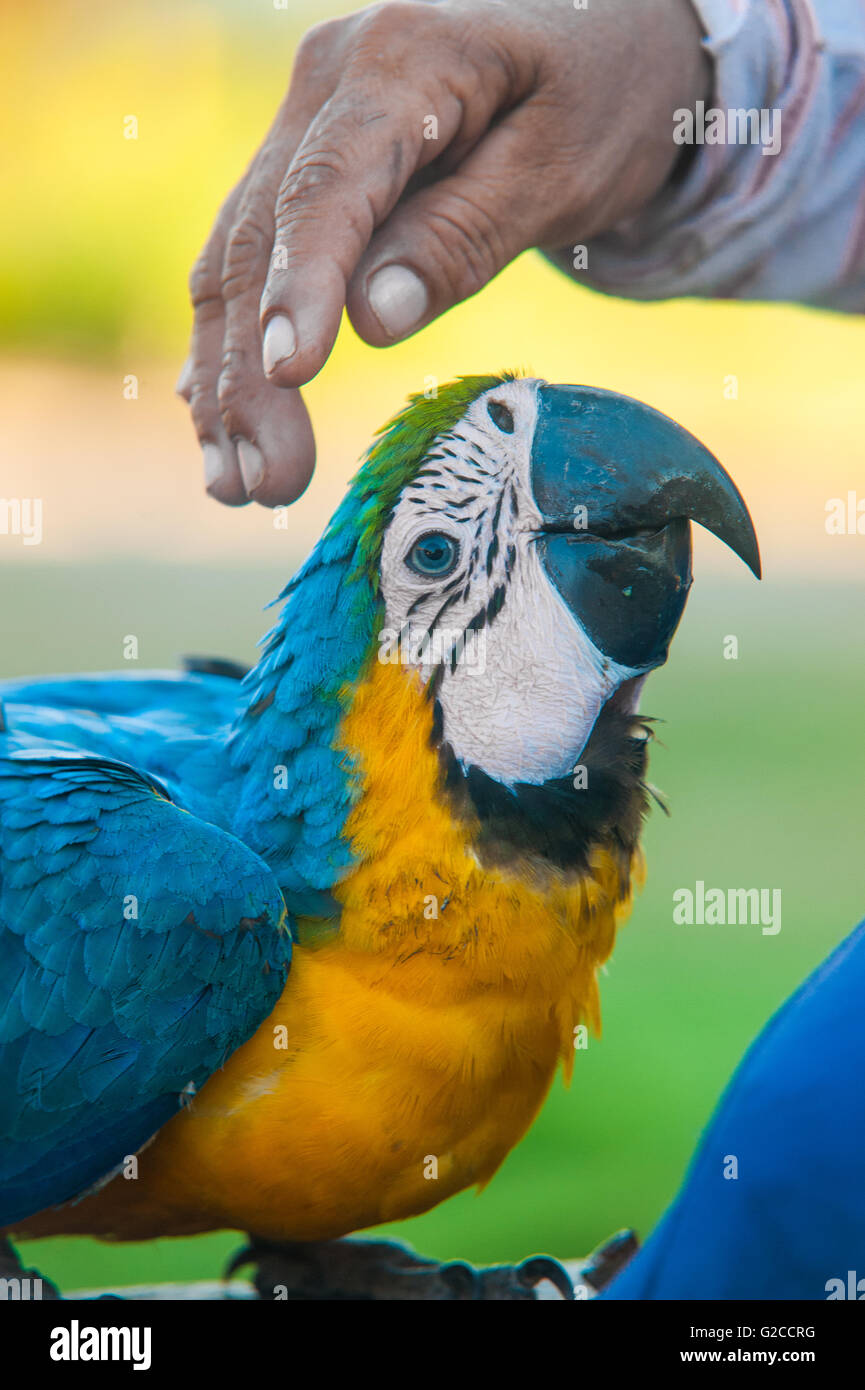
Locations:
(745, 224)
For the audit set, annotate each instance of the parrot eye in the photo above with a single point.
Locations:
(501, 417)
(433, 555)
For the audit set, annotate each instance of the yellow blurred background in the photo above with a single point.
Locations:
(762, 761)
(98, 234)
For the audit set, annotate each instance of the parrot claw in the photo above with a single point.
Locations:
(604, 1264)
(385, 1271)
(539, 1267)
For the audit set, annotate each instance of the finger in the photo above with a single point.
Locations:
(269, 427)
(198, 383)
(184, 381)
(452, 237)
(352, 166)
(334, 195)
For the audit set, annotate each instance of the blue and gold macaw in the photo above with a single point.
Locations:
(326, 933)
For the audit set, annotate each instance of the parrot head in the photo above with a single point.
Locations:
(523, 550)
(536, 561)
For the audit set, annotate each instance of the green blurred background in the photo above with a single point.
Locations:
(760, 759)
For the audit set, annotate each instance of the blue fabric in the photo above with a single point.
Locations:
(793, 1118)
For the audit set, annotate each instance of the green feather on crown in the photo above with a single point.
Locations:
(396, 454)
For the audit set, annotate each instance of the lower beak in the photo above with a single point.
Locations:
(617, 485)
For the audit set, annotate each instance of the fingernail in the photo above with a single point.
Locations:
(185, 377)
(251, 462)
(398, 298)
(280, 343)
(214, 466)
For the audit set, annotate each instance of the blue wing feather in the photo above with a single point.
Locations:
(139, 946)
(105, 1019)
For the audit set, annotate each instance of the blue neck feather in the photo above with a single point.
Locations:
(295, 788)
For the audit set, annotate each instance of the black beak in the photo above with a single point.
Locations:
(617, 484)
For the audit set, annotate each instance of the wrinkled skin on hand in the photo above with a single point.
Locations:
(550, 124)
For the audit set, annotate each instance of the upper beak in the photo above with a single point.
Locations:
(617, 484)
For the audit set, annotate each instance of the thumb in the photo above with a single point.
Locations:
(445, 242)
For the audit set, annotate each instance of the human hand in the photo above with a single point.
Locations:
(420, 147)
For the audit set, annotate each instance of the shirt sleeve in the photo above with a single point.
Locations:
(745, 222)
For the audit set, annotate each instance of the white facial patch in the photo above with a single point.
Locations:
(521, 682)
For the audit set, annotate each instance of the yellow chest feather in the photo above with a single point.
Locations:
(412, 1049)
